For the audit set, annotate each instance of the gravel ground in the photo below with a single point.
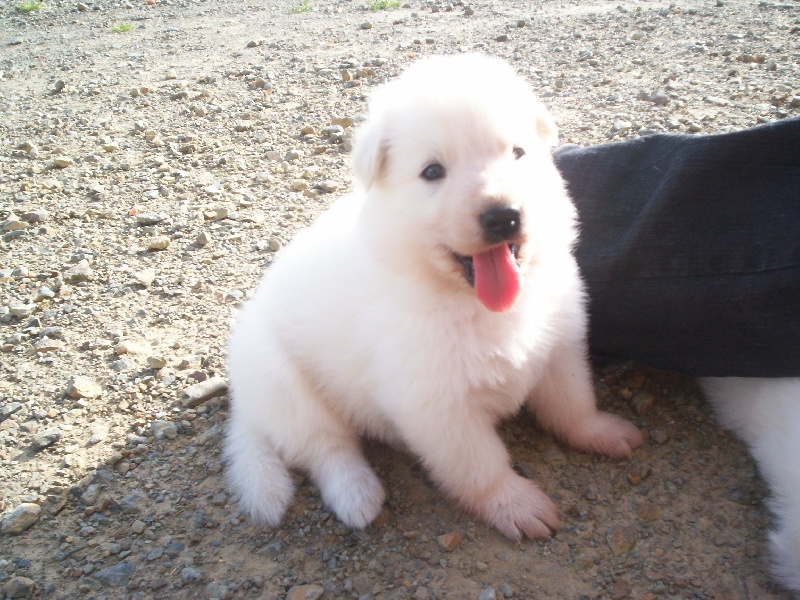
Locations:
(147, 178)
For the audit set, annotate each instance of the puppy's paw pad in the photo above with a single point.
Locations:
(356, 496)
(520, 509)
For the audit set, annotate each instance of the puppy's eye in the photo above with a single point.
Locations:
(433, 172)
(518, 152)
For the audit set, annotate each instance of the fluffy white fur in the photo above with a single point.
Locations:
(765, 414)
(365, 325)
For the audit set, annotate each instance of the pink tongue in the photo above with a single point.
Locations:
(496, 278)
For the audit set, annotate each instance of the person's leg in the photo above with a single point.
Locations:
(690, 248)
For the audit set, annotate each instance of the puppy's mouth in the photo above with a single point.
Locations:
(495, 275)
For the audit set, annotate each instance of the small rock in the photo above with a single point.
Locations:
(164, 429)
(19, 587)
(642, 402)
(621, 539)
(20, 310)
(80, 272)
(20, 519)
(134, 503)
(46, 344)
(449, 541)
(149, 218)
(145, 277)
(14, 223)
(137, 526)
(487, 594)
(621, 125)
(327, 186)
(62, 162)
(83, 387)
(647, 511)
(160, 242)
(506, 590)
(198, 393)
(157, 362)
(659, 436)
(117, 576)
(365, 25)
(191, 575)
(46, 438)
(34, 216)
(203, 238)
(305, 592)
(638, 473)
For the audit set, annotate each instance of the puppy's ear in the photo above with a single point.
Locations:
(370, 150)
(546, 126)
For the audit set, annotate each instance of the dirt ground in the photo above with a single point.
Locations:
(153, 157)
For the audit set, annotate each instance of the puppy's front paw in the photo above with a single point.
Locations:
(606, 434)
(355, 494)
(520, 509)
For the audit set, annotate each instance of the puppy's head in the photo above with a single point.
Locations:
(455, 160)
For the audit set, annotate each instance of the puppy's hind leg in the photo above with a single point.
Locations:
(765, 414)
(287, 422)
(564, 403)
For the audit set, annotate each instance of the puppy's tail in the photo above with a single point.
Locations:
(257, 475)
(765, 413)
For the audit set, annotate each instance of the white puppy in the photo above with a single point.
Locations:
(435, 300)
(765, 414)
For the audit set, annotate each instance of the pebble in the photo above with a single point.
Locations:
(46, 438)
(19, 587)
(118, 575)
(137, 526)
(157, 362)
(487, 594)
(203, 238)
(82, 386)
(449, 541)
(198, 393)
(191, 574)
(80, 272)
(160, 242)
(621, 125)
(659, 436)
(21, 310)
(34, 216)
(144, 277)
(164, 429)
(621, 539)
(149, 218)
(506, 590)
(14, 223)
(20, 519)
(327, 186)
(62, 162)
(647, 511)
(305, 592)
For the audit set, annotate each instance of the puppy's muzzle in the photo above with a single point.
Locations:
(500, 224)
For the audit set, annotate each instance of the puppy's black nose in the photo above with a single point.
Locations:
(500, 223)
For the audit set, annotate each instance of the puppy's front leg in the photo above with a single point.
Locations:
(564, 403)
(466, 457)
